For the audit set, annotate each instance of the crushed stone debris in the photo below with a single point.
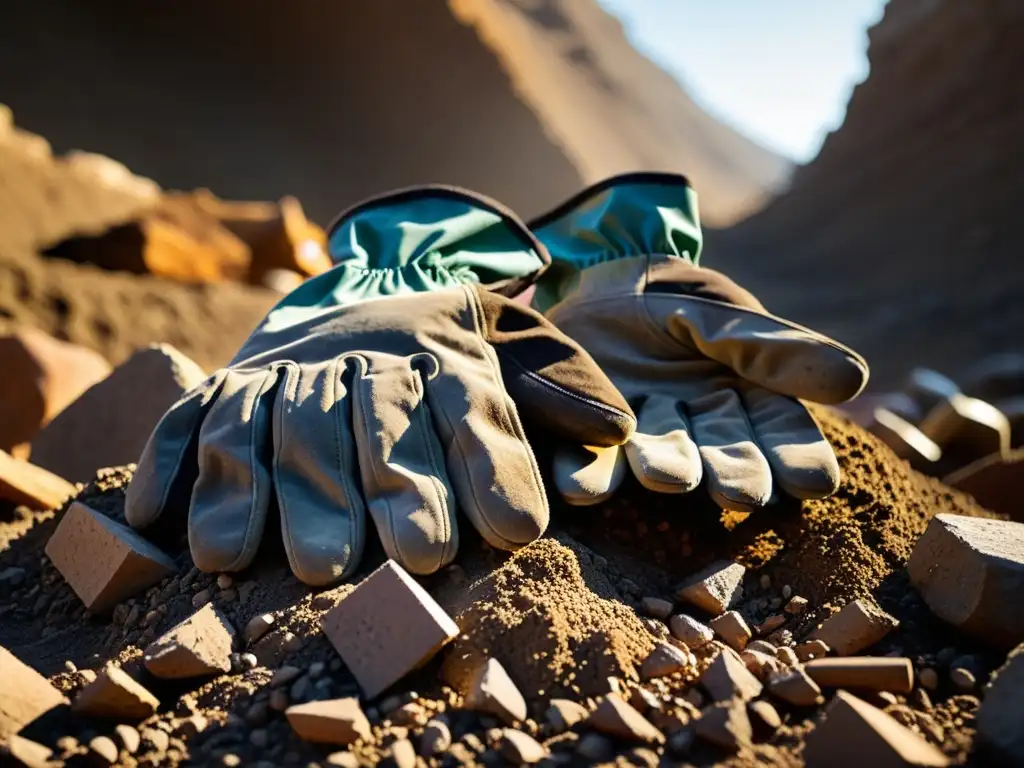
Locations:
(562, 616)
(491, 690)
(615, 717)
(521, 748)
(859, 625)
(854, 733)
(664, 660)
(563, 714)
(115, 695)
(690, 631)
(795, 687)
(656, 607)
(726, 724)
(337, 721)
(733, 630)
(198, 646)
(728, 677)
(715, 588)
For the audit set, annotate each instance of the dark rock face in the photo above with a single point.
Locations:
(336, 101)
(902, 236)
(328, 101)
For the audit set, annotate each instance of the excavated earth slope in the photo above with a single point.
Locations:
(560, 615)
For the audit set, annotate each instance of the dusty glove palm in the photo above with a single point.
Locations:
(712, 376)
(405, 406)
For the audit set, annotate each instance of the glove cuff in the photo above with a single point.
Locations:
(634, 214)
(415, 240)
(429, 238)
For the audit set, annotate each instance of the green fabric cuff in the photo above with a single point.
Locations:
(633, 214)
(414, 240)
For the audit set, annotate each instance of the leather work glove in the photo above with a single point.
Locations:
(712, 376)
(396, 383)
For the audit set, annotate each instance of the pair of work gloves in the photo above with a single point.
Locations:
(396, 385)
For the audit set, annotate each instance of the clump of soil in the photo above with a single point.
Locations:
(562, 616)
(554, 619)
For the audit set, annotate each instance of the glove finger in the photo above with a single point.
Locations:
(802, 461)
(168, 467)
(232, 493)
(315, 474)
(401, 461)
(737, 472)
(492, 467)
(553, 381)
(769, 351)
(585, 476)
(662, 452)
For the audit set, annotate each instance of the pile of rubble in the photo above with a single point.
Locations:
(873, 626)
(968, 432)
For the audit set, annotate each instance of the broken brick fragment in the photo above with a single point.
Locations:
(198, 646)
(24, 695)
(859, 625)
(854, 734)
(102, 560)
(970, 571)
(386, 627)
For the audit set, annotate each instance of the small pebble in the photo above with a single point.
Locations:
(70, 666)
(129, 738)
(315, 669)
(299, 690)
(945, 656)
(787, 592)
(278, 700)
(258, 738)
(656, 607)
(230, 761)
(104, 749)
(595, 748)
(257, 713)
(389, 705)
(158, 738)
(284, 676)
(928, 678)
(403, 754)
(435, 739)
(342, 760)
(962, 679)
(766, 581)
(201, 598)
(224, 581)
(796, 605)
(681, 742)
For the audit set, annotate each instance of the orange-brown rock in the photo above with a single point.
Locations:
(175, 240)
(278, 234)
(35, 487)
(41, 376)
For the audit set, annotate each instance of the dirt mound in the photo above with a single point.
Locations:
(118, 313)
(559, 614)
(901, 238)
(553, 617)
